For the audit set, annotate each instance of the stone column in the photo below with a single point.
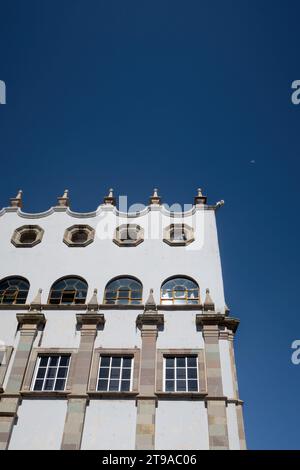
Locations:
(148, 323)
(10, 400)
(78, 399)
(238, 402)
(216, 404)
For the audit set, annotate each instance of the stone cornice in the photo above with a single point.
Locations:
(217, 319)
(31, 318)
(90, 319)
(148, 318)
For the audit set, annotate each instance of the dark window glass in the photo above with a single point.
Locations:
(114, 373)
(70, 290)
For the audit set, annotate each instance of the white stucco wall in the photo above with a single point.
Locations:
(181, 425)
(109, 424)
(152, 261)
(40, 425)
(60, 330)
(119, 330)
(180, 331)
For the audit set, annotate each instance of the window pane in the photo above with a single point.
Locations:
(126, 374)
(192, 385)
(181, 385)
(136, 294)
(43, 361)
(49, 383)
(124, 294)
(192, 373)
(60, 384)
(125, 385)
(170, 386)
(62, 372)
(104, 373)
(170, 373)
(115, 373)
(41, 373)
(127, 361)
(116, 361)
(51, 372)
(38, 385)
(105, 361)
(180, 361)
(53, 360)
(166, 294)
(170, 361)
(64, 360)
(192, 361)
(181, 373)
(113, 385)
(102, 385)
(111, 295)
(179, 294)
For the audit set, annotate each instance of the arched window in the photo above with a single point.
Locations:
(124, 290)
(14, 290)
(179, 291)
(67, 291)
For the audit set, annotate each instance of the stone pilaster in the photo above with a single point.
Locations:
(28, 325)
(216, 404)
(77, 400)
(239, 405)
(148, 323)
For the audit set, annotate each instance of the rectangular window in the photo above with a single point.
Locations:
(115, 374)
(181, 374)
(51, 373)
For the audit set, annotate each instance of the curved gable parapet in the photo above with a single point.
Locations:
(102, 208)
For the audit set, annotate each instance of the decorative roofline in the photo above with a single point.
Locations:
(109, 205)
(100, 209)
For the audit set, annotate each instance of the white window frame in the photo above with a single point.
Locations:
(175, 374)
(47, 367)
(109, 373)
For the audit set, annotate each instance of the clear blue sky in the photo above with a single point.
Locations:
(174, 94)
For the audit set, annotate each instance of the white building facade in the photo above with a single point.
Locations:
(114, 332)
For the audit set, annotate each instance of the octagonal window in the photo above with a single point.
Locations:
(27, 236)
(178, 235)
(129, 235)
(79, 235)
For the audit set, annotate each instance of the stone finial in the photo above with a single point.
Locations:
(155, 198)
(64, 200)
(93, 305)
(150, 305)
(200, 199)
(36, 304)
(110, 199)
(17, 201)
(220, 204)
(227, 309)
(208, 303)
